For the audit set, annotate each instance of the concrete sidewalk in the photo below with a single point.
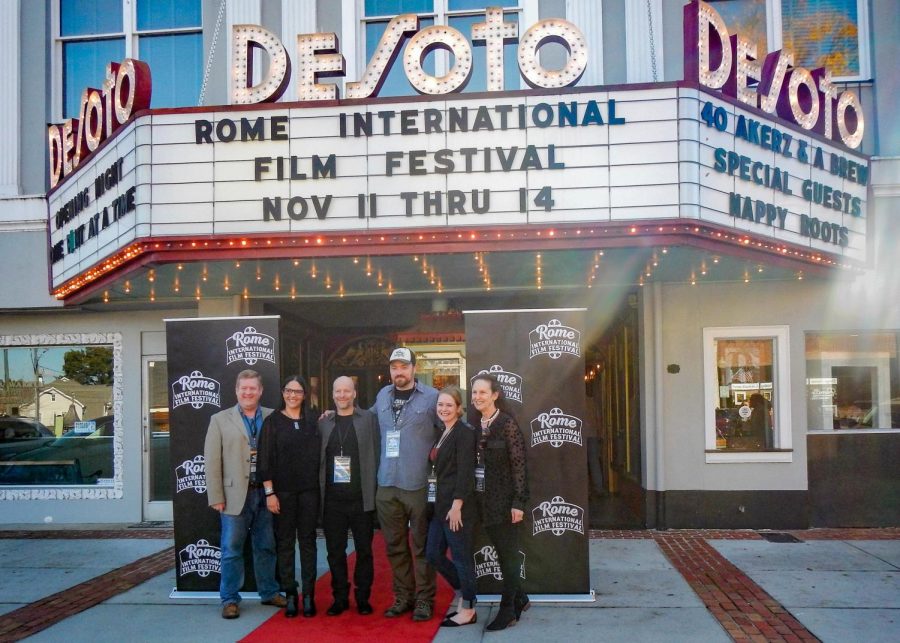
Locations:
(834, 585)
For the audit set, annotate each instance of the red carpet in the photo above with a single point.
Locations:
(350, 626)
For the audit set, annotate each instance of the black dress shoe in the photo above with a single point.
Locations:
(364, 608)
(309, 605)
(291, 610)
(449, 622)
(338, 607)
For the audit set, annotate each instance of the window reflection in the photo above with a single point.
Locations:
(176, 62)
(56, 422)
(745, 417)
(852, 381)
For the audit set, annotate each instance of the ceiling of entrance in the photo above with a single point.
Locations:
(462, 274)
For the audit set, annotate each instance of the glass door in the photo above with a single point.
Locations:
(155, 413)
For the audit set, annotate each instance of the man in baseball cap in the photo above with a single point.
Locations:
(407, 420)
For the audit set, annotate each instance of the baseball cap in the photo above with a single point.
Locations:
(404, 355)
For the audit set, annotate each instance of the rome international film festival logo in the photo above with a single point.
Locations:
(557, 516)
(191, 474)
(488, 564)
(511, 383)
(554, 339)
(196, 389)
(200, 558)
(554, 427)
(249, 346)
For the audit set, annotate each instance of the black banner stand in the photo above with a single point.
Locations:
(204, 357)
(538, 359)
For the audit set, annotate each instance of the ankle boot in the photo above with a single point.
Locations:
(521, 603)
(506, 615)
(291, 610)
(309, 604)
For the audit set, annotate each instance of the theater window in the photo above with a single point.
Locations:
(821, 33)
(166, 34)
(747, 394)
(852, 381)
(60, 407)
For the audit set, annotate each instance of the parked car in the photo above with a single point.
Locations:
(18, 434)
(74, 458)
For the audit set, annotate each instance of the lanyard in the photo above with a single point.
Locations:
(252, 425)
(342, 435)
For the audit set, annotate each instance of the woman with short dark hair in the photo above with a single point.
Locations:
(288, 465)
(501, 485)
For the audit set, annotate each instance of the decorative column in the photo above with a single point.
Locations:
(296, 18)
(241, 12)
(587, 15)
(9, 98)
(643, 41)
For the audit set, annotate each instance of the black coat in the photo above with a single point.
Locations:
(455, 471)
(502, 451)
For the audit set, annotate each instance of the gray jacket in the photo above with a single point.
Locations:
(369, 440)
(418, 433)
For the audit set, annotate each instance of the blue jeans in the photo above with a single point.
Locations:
(460, 573)
(256, 520)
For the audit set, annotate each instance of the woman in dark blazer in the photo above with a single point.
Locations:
(502, 491)
(288, 465)
(453, 457)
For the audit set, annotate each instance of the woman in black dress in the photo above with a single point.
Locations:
(289, 468)
(453, 458)
(501, 485)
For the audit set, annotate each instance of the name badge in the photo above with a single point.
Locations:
(479, 478)
(252, 460)
(432, 488)
(392, 447)
(342, 469)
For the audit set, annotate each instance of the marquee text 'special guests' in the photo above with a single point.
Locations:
(289, 469)
(347, 476)
(236, 492)
(453, 459)
(408, 426)
(501, 486)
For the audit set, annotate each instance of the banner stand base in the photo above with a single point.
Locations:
(203, 596)
(590, 597)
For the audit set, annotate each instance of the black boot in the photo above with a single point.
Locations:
(506, 616)
(363, 606)
(521, 603)
(309, 604)
(291, 610)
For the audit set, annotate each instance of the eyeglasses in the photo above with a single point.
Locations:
(293, 391)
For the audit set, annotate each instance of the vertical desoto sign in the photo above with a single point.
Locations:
(537, 357)
(204, 358)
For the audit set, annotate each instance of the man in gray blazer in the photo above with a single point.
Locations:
(348, 468)
(234, 491)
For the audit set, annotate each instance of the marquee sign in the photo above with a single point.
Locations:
(579, 155)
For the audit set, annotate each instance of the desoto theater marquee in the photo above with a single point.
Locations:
(745, 153)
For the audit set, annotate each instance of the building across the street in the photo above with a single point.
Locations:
(716, 183)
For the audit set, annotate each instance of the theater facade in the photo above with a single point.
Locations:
(722, 202)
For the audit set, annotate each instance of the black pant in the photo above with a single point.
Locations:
(505, 538)
(339, 516)
(297, 522)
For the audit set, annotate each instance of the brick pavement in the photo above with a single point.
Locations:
(34, 617)
(744, 609)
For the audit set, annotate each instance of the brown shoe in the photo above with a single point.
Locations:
(399, 607)
(231, 610)
(423, 612)
(277, 601)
